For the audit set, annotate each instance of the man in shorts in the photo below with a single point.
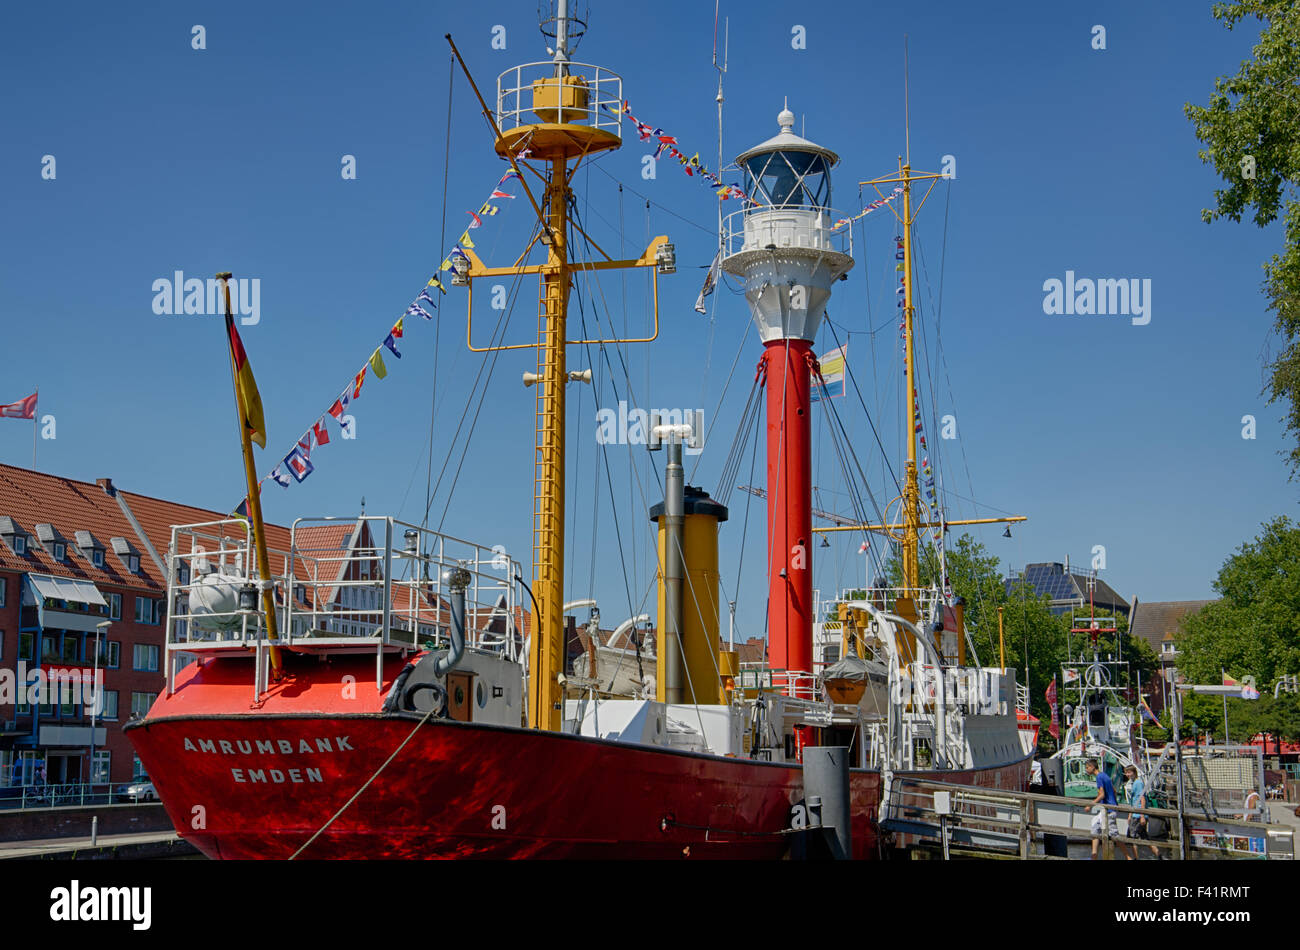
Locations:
(1103, 823)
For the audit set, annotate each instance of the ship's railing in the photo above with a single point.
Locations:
(782, 227)
(759, 677)
(926, 600)
(196, 556)
(371, 583)
(387, 584)
(532, 94)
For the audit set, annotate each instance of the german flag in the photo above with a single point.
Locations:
(249, 397)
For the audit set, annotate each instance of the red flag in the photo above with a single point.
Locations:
(1053, 730)
(322, 434)
(22, 409)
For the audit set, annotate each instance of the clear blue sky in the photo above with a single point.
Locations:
(1068, 158)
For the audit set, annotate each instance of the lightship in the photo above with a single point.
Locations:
(402, 693)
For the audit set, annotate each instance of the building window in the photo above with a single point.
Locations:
(109, 710)
(110, 654)
(148, 610)
(145, 656)
(49, 647)
(133, 563)
(20, 545)
(114, 606)
(26, 646)
(101, 768)
(71, 652)
(140, 703)
(4, 586)
(60, 550)
(1167, 647)
(137, 767)
(97, 557)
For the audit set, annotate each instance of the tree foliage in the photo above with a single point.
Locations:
(1246, 717)
(1254, 630)
(1033, 636)
(1250, 128)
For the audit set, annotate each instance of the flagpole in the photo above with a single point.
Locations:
(254, 497)
(1141, 732)
(1226, 740)
(35, 414)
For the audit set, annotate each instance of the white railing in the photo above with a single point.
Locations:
(799, 684)
(335, 592)
(70, 794)
(531, 93)
(784, 227)
(392, 587)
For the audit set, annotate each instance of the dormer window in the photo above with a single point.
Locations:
(90, 548)
(12, 534)
(60, 550)
(129, 557)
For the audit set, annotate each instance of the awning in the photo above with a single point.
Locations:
(66, 588)
(69, 620)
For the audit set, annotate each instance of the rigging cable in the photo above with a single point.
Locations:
(442, 256)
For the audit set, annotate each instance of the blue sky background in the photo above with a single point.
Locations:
(1068, 158)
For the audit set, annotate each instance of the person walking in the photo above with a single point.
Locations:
(1137, 824)
(1103, 822)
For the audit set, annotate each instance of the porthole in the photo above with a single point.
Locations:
(460, 695)
(481, 695)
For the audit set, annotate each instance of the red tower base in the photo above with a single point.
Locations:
(787, 364)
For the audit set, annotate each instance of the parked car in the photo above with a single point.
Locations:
(139, 790)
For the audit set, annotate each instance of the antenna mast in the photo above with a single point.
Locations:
(722, 72)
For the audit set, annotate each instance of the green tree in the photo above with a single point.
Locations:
(1250, 128)
(1254, 629)
(1246, 717)
(1030, 630)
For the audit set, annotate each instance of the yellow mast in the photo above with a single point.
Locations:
(910, 520)
(545, 697)
(911, 492)
(557, 117)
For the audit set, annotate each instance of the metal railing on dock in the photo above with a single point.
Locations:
(58, 796)
(987, 822)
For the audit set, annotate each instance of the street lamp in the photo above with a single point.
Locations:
(101, 627)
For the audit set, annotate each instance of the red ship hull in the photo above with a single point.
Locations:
(261, 783)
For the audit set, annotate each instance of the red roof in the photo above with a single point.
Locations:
(30, 498)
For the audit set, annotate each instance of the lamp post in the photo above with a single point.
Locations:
(101, 627)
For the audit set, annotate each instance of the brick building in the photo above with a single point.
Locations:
(83, 563)
(74, 555)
